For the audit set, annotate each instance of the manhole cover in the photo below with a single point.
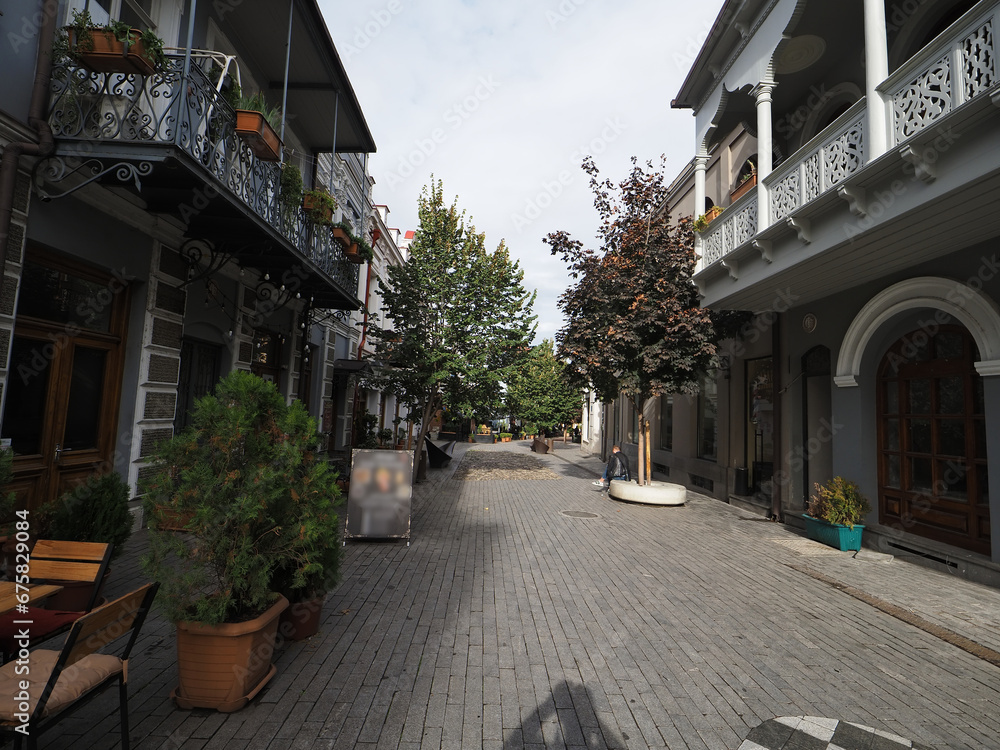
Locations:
(579, 514)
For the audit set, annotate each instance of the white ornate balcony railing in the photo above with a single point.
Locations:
(89, 107)
(733, 227)
(829, 158)
(944, 75)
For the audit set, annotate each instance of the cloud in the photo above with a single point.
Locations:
(502, 101)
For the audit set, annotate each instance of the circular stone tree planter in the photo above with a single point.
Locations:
(654, 493)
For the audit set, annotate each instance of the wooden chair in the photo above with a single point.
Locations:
(39, 690)
(54, 562)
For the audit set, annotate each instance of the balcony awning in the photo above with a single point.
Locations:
(316, 73)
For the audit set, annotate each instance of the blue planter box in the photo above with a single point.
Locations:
(834, 534)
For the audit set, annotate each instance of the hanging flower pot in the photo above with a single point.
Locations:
(103, 53)
(351, 251)
(342, 236)
(318, 205)
(258, 134)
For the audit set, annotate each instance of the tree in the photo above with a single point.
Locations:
(456, 318)
(542, 391)
(634, 326)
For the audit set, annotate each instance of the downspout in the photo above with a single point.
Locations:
(36, 119)
(284, 88)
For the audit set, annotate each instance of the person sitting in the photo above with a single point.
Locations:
(617, 468)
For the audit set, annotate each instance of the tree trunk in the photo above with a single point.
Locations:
(649, 455)
(425, 424)
(640, 459)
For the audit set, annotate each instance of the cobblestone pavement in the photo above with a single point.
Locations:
(508, 623)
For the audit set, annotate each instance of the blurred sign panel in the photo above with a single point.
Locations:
(378, 505)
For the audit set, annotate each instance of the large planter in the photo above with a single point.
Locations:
(301, 619)
(836, 535)
(108, 55)
(224, 666)
(483, 438)
(258, 134)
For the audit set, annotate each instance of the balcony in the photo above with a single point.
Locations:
(833, 189)
(175, 147)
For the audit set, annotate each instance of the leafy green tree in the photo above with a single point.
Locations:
(634, 326)
(455, 318)
(542, 390)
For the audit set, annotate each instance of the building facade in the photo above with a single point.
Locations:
(862, 129)
(146, 246)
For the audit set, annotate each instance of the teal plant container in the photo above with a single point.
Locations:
(836, 535)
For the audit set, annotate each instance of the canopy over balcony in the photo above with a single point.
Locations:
(319, 91)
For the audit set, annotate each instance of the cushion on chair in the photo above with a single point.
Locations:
(75, 681)
(43, 621)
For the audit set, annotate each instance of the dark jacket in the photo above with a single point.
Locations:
(618, 467)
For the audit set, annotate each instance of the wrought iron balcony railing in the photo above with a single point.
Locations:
(157, 110)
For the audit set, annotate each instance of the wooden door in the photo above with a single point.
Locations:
(932, 439)
(64, 383)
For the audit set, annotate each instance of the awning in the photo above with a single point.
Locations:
(316, 73)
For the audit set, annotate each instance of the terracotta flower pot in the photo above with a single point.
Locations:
(317, 211)
(108, 55)
(258, 134)
(225, 666)
(301, 619)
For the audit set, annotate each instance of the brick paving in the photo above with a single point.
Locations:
(508, 624)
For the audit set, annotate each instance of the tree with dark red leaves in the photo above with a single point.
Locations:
(634, 326)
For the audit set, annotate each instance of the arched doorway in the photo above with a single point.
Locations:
(932, 439)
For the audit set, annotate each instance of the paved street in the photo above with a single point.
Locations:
(511, 621)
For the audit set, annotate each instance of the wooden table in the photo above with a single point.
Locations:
(9, 594)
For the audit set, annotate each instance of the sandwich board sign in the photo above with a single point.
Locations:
(378, 504)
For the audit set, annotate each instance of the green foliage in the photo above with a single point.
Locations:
(8, 499)
(83, 27)
(257, 102)
(95, 511)
(322, 205)
(365, 434)
(542, 389)
(457, 318)
(839, 501)
(256, 503)
(290, 187)
(702, 222)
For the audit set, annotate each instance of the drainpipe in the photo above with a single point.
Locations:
(36, 119)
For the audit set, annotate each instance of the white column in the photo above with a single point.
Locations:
(876, 71)
(700, 164)
(764, 147)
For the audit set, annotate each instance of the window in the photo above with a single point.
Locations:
(708, 428)
(667, 423)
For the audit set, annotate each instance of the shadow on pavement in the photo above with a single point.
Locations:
(566, 718)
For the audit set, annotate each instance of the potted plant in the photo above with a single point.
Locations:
(94, 511)
(746, 181)
(258, 123)
(112, 48)
(319, 205)
(343, 233)
(261, 501)
(702, 222)
(290, 190)
(835, 514)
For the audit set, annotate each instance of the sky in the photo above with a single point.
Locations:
(502, 100)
